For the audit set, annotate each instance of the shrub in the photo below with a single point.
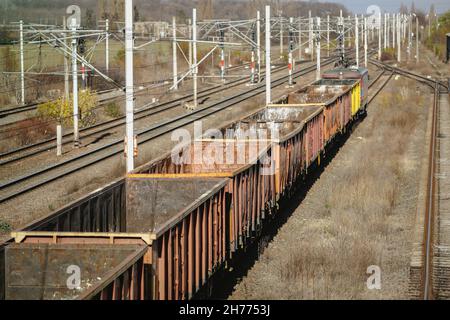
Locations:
(113, 110)
(61, 110)
(4, 227)
(388, 54)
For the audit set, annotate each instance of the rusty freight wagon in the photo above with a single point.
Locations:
(154, 241)
(353, 73)
(163, 231)
(243, 162)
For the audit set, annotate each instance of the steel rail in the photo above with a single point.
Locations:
(145, 111)
(430, 202)
(32, 106)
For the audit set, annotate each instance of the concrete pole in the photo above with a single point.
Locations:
(300, 47)
(129, 80)
(388, 30)
(107, 45)
(281, 35)
(174, 54)
(379, 36)
(194, 55)
(393, 30)
(417, 39)
(399, 40)
(75, 88)
(384, 30)
(408, 27)
(66, 65)
(311, 49)
(357, 40)
(222, 55)
(190, 43)
(58, 140)
(328, 36)
(318, 70)
(268, 62)
(365, 42)
(258, 44)
(343, 31)
(22, 67)
(290, 44)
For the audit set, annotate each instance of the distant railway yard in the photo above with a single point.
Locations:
(274, 158)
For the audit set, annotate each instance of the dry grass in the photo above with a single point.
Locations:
(347, 224)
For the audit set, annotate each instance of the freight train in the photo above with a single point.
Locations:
(163, 231)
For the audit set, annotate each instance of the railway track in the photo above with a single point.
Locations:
(23, 184)
(439, 245)
(145, 111)
(33, 106)
(430, 264)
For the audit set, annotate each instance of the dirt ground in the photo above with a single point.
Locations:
(359, 213)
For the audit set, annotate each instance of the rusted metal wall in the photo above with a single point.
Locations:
(314, 138)
(188, 252)
(133, 281)
(37, 271)
(101, 211)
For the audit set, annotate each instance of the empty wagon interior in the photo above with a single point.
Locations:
(318, 93)
(62, 272)
(154, 203)
(283, 114)
(145, 204)
(210, 157)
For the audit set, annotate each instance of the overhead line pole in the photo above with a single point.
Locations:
(379, 36)
(22, 67)
(66, 66)
(268, 61)
(75, 88)
(194, 55)
(174, 54)
(291, 47)
(258, 44)
(384, 30)
(129, 90)
(365, 42)
(107, 45)
(300, 39)
(357, 39)
(328, 36)
(399, 39)
(317, 36)
(417, 39)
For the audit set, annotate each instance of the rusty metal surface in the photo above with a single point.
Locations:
(315, 94)
(39, 271)
(190, 250)
(101, 211)
(283, 114)
(252, 128)
(152, 203)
